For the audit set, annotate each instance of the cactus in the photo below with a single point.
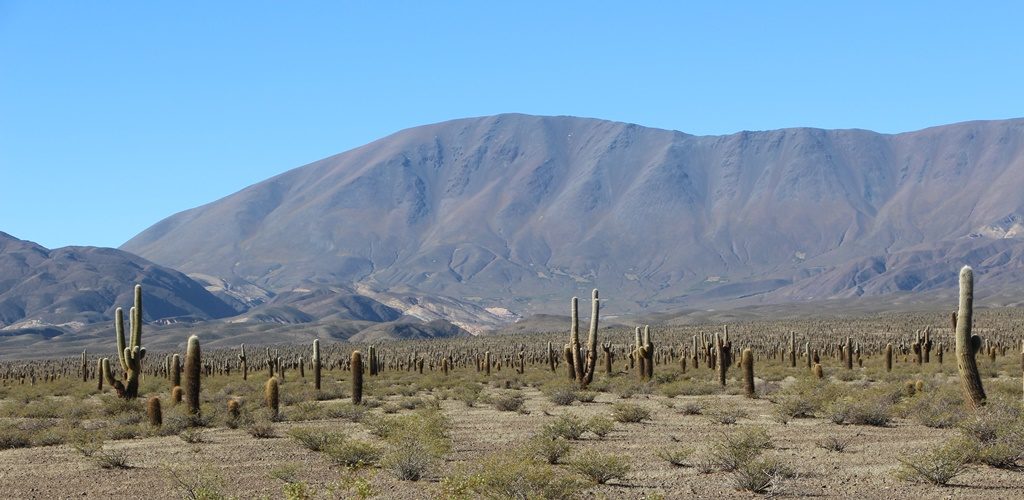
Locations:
(817, 371)
(175, 370)
(193, 366)
(607, 348)
(153, 413)
(85, 367)
(583, 365)
(487, 363)
(272, 396)
(234, 409)
(316, 364)
(723, 353)
(648, 353)
(176, 393)
(129, 356)
(372, 353)
(243, 362)
(747, 362)
(848, 353)
(967, 345)
(357, 377)
(792, 350)
(888, 357)
(99, 374)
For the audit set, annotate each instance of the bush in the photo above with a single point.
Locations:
(732, 451)
(508, 402)
(511, 474)
(347, 411)
(874, 411)
(566, 426)
(315, 439)
(549, 449)
(764, 475)
(563, 396)
(600, 426)
(630, 413)
(675, 456)
(411, 458)
(997, 434)
(351, 453)
(938, 466)
(192, 435)
(261, 429)
(724, 415)
(601, 468)
(692, 408)
(112, 459)
(833, 443)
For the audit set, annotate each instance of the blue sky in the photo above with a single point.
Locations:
(114, 115)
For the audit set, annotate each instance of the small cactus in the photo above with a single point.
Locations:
(176, 394)
(272, 396)
(888, 357)
(153, 413)
(817, 371)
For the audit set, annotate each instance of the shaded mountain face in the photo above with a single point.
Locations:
(72, 287)
(523, 212)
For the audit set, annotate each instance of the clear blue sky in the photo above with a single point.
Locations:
(114, 115)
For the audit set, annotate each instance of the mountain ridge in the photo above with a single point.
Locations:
(519, 211)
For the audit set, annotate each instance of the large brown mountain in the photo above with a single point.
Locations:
(72, 287)
(524, 211)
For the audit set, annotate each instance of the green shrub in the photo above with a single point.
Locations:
(762, 475)
(600, 426)
(549, 449)
(511, 474)
(351, 452)
(676, 456)
(567, 426)
(732, 451)
(601, 468)
(508, 402)
(938, 466)
(563, 396)
(630, 413)
(315, 439)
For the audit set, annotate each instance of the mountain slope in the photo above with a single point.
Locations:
(524, 211)
(75, 286)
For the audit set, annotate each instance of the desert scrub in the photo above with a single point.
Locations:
(304, 411)
(833, 443)
(734, 450)
(601, 468)
(417, 443)
(996, 432)
(937, 466)
(469, 394)
(567, 426)
(549, 449)
(261, 428)
(630, 413)
(692, 408)
(193, 435)
(562, 395)
(111, 459)
(347, 411)
(938, 409)
(351, 452)
(600, 426)
(806, 398)
(761, 475)
(724, 414)
(864, 408)
(315, 439)
(511, 401)
(511, 474)
(676, 455)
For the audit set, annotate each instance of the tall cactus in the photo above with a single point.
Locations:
(967, 345)
(272, 397)
(193, 367)
(888, 357)
(130, 355)
(243, 362)
(357, 377)
(316, 364)
(747, 362)
(648, 353)
(85, 366)
(583, 364)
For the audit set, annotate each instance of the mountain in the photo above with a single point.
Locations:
(72, 287)
(522, 212)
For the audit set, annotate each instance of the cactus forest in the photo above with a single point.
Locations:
(894, 405)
